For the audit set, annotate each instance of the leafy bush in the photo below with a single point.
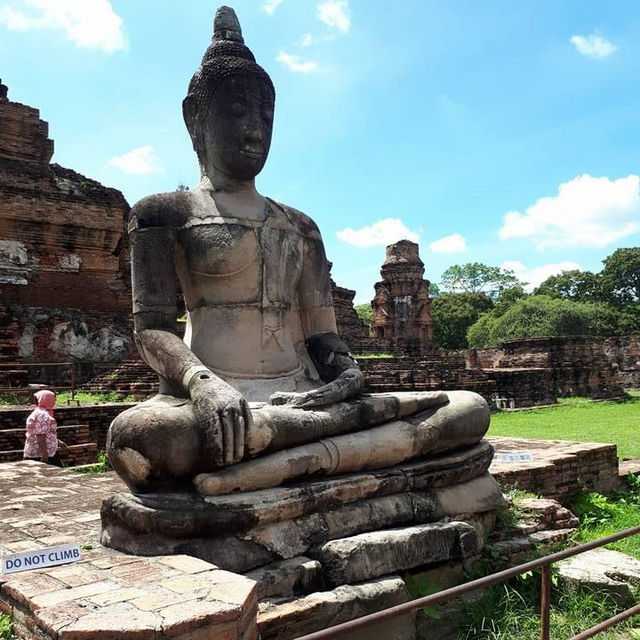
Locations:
(540, 316)
(594, 509)
(6, 627)
(365, 313)
(452, 315)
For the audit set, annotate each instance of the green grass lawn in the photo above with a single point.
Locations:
(577, 419)
(511, 610)
(84, 397)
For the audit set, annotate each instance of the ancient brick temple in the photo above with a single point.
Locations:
(350, 328)
(64, 282)
(402, 307)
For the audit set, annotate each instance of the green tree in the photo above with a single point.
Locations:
(475, 277)
(434, 290)
(581, 286)
(621, 278)
(453, 313)
(365, 313)
(541, 316)
(508, 298)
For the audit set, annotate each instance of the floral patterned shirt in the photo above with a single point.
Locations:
(41, 422)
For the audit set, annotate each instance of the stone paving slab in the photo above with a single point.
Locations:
(107, 594)
(612, 572)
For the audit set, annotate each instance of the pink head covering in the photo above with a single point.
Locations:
(46, 399)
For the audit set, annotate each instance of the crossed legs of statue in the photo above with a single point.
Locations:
(158, 444)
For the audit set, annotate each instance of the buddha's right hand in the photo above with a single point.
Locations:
(224, 416)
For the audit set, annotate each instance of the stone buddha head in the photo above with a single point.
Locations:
(229, 105)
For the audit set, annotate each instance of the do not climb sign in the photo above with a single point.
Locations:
(38, 558)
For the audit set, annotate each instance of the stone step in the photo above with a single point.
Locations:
(74, 455)
(288, 578)
(70, 434)
(378, 553)
(293, 618)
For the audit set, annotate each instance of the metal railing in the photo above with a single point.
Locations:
(10, 366)
(454, 592)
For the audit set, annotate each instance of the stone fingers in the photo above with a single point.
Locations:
(239, 438)
(228, 436)
(215, 439)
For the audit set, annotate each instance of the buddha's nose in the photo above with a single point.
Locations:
(254, 135)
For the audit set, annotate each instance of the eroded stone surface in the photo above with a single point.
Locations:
(612, 572)
(317, 611)
(379, 553)
(262, 544)
(181, 515)
(287, 578)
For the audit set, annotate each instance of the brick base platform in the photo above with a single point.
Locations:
(109, 595)
(106, 595)
(559, 469)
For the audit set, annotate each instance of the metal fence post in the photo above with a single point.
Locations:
(545, 602)
(74, 368)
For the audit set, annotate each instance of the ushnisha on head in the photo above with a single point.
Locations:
(229, 105)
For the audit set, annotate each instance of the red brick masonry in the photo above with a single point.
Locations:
(107, 594)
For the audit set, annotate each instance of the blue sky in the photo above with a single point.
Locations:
(499, 131)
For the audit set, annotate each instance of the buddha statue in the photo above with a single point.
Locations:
(261, 391)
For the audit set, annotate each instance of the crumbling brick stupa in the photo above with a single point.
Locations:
(401, 306)
(64, 272)
(350, 327)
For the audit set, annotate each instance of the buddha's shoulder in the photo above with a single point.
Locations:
(170, 209)
(301, 221)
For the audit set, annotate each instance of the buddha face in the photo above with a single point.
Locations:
(234, 135)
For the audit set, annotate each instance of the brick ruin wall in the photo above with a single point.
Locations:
(623, 352)
(578, 365)
(446, 372)
(64, 269)
(97, 417)
(350, 328)
(560, 470)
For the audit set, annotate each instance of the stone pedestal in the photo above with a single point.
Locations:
(328, 549)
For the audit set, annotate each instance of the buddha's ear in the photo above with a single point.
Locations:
(189, 113)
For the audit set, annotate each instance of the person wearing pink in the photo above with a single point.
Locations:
(42, 431)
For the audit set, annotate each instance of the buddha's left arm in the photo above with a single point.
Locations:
(329, 353)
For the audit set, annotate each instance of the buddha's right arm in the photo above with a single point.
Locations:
(221, 411)
(154, 284)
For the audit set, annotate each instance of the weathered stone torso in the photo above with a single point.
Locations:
(240, 282)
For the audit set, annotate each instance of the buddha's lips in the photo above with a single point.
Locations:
(252, 154)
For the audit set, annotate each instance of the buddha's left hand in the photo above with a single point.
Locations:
(347, 385)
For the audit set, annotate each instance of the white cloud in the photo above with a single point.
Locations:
(296, 63)
(537, 275)
(88, 23)
(270, 6)
(593, 46)
(140, 161)
(382, 232)
(335, 13)
(307, 40)
(587, 212)
(454, 243)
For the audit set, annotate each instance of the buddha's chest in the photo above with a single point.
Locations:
(224, 263)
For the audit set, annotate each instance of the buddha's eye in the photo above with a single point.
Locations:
(237, 109)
